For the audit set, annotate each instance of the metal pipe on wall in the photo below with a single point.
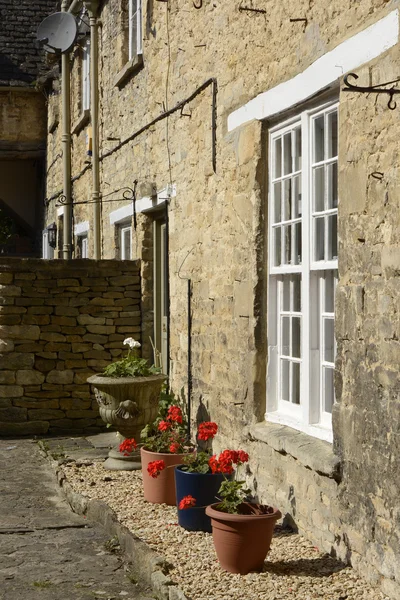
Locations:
(66, 147)
(92, 7)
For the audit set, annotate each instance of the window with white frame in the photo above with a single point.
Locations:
(126, 242)
(135, 29)
(83, 246)
(303, 206)
(86, 76)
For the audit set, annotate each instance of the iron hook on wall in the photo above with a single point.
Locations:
(374, 89)
(199, 5)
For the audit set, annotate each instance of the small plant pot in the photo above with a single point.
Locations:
(203, 487)
(242, 541)
(161, 489)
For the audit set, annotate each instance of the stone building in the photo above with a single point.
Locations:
(22, 127)
(226, 140)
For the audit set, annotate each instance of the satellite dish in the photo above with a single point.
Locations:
(58, 32)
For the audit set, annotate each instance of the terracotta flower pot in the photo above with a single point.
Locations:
(161, 489)
(242, 541)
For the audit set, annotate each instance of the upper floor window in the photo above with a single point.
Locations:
(303, 249)
(86, 76)
(126, 243)
(135, 29)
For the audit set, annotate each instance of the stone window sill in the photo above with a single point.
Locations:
(131, 67)
(83, 120)
(312, 453)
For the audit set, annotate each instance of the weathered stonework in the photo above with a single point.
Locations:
(347, 502)
(52, 345)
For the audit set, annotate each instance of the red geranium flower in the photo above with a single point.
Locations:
(164, 426)
(175, 414)
(187, 502)
(127, 446)
(207, 430)
(243, 456)
(154, 468)
(174, 448)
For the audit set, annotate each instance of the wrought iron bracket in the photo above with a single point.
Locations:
(373, 89)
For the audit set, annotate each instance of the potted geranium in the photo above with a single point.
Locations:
(242, 530)
(127, 392)
(164, 445)
(200, 477)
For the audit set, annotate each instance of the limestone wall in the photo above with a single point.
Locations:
(60, 322)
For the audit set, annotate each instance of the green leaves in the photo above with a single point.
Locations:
(197, 463)
(130, 366)
(232, 494)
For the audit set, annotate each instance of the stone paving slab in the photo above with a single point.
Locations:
(47, 551)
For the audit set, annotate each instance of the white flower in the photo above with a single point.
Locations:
(131, 343)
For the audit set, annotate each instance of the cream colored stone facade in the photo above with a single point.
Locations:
(217, 224)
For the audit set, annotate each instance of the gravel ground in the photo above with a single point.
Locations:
(294, 568)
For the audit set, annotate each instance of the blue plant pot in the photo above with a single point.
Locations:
(202, 487)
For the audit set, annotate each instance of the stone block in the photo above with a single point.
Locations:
(34, 404)
(101, 329)
(13, 414)
(61, 377)
(25, 377)
(125, 280)
(7, 377)
(12, 310)
(9, 290)
(10, 319)
(43, 414)
(11, 391)
(16, 360)
(81, 347)
(82, 376)
(6, 278)
(23, 332)
(44, 365)
(68, 282)
(76, 364)
(35, 319)
(52, 336)
(6, 346)
(66, 311)
(68, 321)
(74, 404)
(85, 319)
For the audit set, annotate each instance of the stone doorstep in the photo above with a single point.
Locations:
(147, 565)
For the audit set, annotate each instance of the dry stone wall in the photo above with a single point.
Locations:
(60, 322)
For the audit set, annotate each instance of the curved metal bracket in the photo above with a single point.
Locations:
(199, 5)
(374, 89)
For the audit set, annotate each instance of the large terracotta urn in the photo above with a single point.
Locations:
(129, 404)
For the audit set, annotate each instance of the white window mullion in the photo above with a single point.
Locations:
(305, 280)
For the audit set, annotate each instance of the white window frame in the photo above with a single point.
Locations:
(125, 230)
(309, 416)
(86, 76)
(47, 250)
(83, 242)
(135, 32)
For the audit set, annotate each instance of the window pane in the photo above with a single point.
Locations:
(333, 134)
(329, 340)
(286, 293)
(287, 249)
(278, 157)
(296, 197)
(277, 202)
(329, 292)
(287, 153)
(319, 239)
(285, 343)
(285, 366)
(297, 149)
(296, 293)
(296, 383)
(277, 246)
(319, 138)
(329, 392)
(332, 237)
(319, 189)
(287, 199)
(297, 244)
(296, 337)
(332, 186)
